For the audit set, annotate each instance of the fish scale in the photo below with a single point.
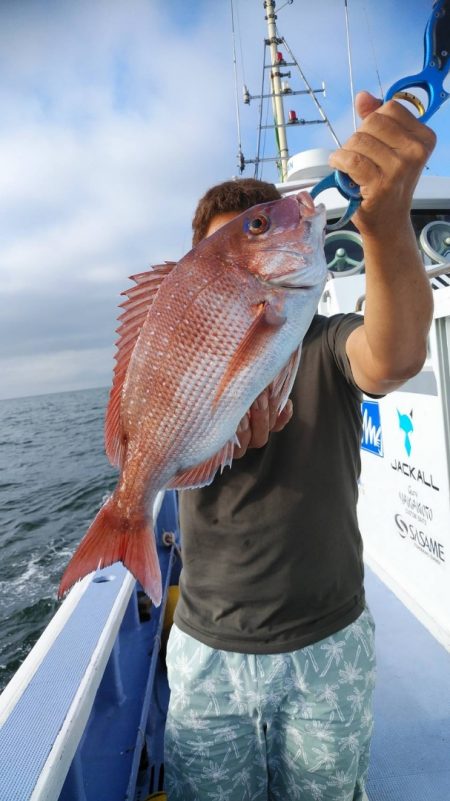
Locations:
(198, 342)
(194, 351)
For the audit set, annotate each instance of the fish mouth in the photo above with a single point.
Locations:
(285, 285)
(285, 279)
(285, 282)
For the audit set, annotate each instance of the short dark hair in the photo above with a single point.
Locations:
(228, 196)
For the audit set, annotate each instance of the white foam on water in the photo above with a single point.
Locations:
(28, 584)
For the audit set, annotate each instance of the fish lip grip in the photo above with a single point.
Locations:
(348, 189)
(436, 66)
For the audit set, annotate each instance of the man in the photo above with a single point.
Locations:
(271, 658)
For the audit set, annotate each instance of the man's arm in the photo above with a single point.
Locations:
(386, 157)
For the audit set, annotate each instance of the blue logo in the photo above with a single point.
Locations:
(406, 425)
(372, 437)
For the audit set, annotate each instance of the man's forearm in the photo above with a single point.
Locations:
(399, 302)
(385, 157)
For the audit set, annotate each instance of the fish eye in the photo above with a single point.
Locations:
(258, 225)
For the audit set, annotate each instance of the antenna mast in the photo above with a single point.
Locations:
(279, 89)
(275, 78)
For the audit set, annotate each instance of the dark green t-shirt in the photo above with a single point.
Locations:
(272, 553)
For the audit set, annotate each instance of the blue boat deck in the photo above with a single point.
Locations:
(411, 744)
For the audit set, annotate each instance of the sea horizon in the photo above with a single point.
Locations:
(53, 392)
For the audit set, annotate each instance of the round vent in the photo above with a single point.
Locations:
(435, 240)
(344, 252)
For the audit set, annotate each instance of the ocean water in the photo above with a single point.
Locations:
(54, 475)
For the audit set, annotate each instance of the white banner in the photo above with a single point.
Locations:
(404, 507)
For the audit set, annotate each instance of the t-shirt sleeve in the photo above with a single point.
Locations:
(337, 331)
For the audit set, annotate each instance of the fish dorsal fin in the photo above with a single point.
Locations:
(281, 386)
(267, 320)
(140, 298)
(203, 474)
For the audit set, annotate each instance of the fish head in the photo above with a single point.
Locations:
(281, 242)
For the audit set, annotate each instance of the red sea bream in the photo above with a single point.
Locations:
(199, 340)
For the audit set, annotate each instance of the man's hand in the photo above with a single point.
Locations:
(256, 425)
(385, 156)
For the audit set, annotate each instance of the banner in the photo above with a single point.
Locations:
(404, 505)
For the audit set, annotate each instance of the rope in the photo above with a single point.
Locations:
(287, 3)
(350, 68)
(369, 31)
(241, 52)
(258, 143)
(169, 541)
(311, 92)
(238, 118)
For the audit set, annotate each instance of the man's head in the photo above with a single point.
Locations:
(224, 201)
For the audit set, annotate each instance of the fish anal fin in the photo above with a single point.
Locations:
(140, 298)
(203, 474)
(267, 320)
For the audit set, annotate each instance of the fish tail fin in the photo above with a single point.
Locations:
(113, 538)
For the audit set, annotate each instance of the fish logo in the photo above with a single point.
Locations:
(406, 425)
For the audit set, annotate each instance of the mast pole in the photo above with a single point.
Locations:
(277, 100)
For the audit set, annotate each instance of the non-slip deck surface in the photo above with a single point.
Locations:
(411, 745)
(28, 734)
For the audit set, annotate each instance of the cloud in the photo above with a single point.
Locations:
(115, 118)
(102, 159)
(57, 372)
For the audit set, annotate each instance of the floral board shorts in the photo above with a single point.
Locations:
(244, 727)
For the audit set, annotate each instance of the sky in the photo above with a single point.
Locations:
(116, 116)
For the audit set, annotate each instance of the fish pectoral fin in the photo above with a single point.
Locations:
(268, 319)
(203, 474)
(140, 298)
(281, 386)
